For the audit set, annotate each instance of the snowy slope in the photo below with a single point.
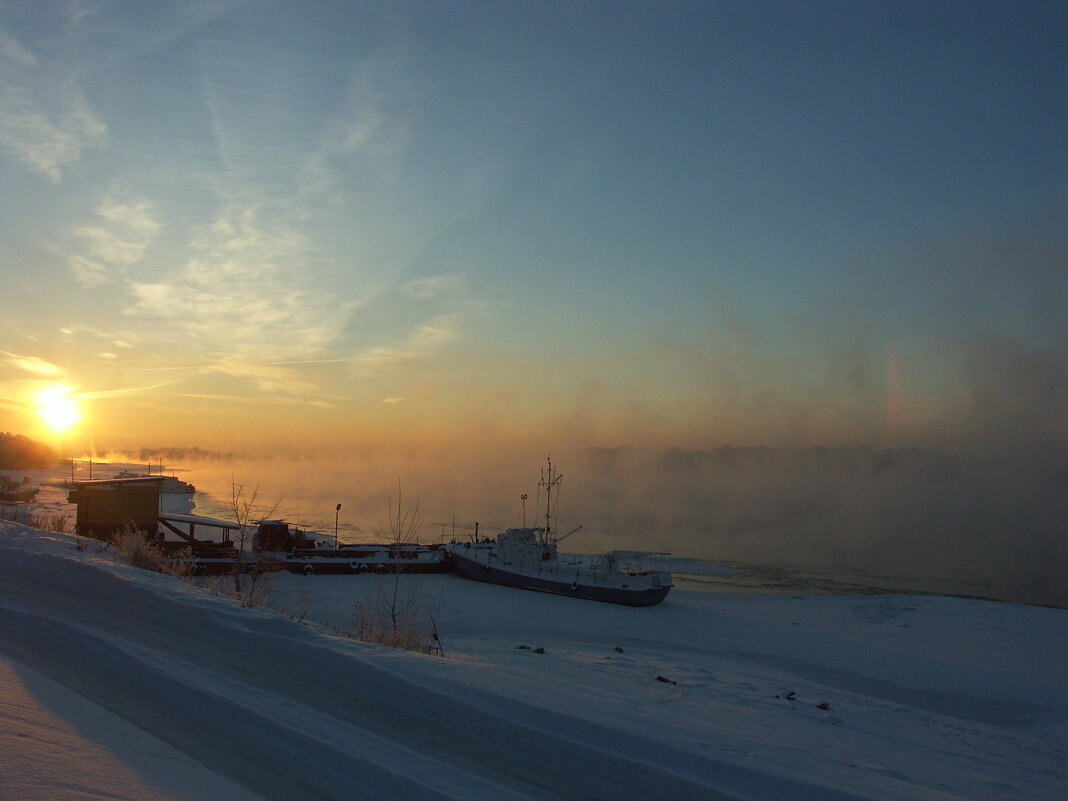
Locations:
(128, 676)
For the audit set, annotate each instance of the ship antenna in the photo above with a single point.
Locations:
(548, 480)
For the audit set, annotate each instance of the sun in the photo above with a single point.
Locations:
(55, 406)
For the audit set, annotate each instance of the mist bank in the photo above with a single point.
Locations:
(1000, 526)
(990, 527)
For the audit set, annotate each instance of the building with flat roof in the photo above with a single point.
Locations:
(108, 505)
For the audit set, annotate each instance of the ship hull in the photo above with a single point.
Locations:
(417, 559)
(345, 566)
(479, 571)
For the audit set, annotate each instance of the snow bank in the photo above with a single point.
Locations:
(704, 697)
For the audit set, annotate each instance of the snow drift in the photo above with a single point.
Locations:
(706, 697)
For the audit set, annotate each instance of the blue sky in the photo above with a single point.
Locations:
(628, 223)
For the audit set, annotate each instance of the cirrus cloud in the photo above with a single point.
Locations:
(120, 238)
(33, 364)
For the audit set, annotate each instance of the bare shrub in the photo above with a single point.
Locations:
(397, 622)
(140, 549)
(247, 512)
(135, 547)
(300, 611)
(90, 544)
(179, 564)
(213, 584)
(397, 615)
(58, 522)
(258, 587)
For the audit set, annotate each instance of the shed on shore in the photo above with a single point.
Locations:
(108, 505)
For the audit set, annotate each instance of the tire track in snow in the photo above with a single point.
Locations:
(277, 760)
(331, 696)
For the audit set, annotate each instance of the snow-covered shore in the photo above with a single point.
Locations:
(120, 683)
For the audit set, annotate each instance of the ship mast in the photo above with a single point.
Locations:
(549, 480)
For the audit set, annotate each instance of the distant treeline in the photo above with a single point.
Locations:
(22, 453)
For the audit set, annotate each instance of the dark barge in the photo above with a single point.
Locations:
(297, 552)
(278, 547)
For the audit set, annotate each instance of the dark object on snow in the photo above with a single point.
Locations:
(523, 647)
(790, 696)
(539, 650)
(823, 705)
(619, 650)
(666, 680)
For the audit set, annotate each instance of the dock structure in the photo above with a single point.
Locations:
(185, 528)
(109, 505)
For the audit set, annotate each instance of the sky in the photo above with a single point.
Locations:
(326, 225)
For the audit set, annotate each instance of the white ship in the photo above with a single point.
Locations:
(527, 558)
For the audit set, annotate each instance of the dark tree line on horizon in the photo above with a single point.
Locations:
(18, 452)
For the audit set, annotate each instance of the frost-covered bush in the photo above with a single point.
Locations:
(140, 549)
(58, 522)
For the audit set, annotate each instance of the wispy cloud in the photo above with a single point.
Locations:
(437, 310)
(420, 343)
(268, 378)
(125, 230)
(244, 301)
(434, 287)
(77, 10)
(309, 361)
(32, 364)
(258, 399)
(12, 49)
(45, 120)
(123, 339)
(125, 391)
(367, 137)
(108, 246)
(278, 254)
(47, 139)
(272, 284)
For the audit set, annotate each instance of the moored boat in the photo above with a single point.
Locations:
(527, 558)
(12, 490)
(520, 558)
(301, 552)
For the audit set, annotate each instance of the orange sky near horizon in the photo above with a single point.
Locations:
(78, 423)
(247, 228)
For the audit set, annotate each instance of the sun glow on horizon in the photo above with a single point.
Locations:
(56, 408)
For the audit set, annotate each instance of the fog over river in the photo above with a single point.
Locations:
(795, 517)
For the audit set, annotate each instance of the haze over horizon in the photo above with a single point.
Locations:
(243, 224)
